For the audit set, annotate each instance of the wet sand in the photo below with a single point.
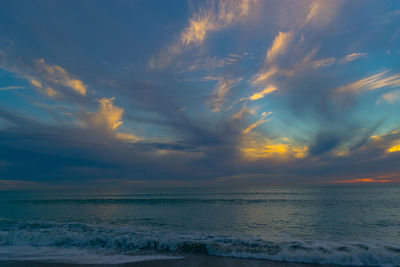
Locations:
(187, 261)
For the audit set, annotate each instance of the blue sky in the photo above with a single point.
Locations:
(199, 92)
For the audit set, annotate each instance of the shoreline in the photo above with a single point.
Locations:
(187, 260)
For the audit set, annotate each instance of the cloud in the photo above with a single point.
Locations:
(253, 150)
(372, 82)
(314, 8)
(390, 178)
(391, 97)
(199, 26)
(324, 143)
(321, 12)
(107, 119)
(258, 122)
(10, 88)
(279, 45)
(266, 91)
(242, 113)
(56, 75)
(323, 62)
(353, 56)
(395, 147)
(264, 76)
(218, 96)
(213, 18)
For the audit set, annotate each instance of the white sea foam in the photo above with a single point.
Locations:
(84, 243)
(71, 255)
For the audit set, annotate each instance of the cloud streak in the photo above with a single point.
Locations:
(373, 82)
(279, 46)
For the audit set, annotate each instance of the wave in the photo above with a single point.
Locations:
(71, 255)
(120, 241)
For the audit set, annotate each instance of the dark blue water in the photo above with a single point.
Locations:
(358, 225)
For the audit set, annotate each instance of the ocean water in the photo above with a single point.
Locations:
(353, 225)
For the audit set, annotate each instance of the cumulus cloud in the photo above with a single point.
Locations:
(107, 119)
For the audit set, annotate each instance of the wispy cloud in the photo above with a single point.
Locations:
(353, 56)
(11, 88)
(279, 45)
(391, 97)
(262, 93)
(218, 96)
(323, 62)
(260, 121)
(57, 75)
(214, 17)
(372, 82)
(314, 8)
(321, 12)
(391, 178)
(264, 76)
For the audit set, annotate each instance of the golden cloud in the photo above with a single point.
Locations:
(279, 45)
(56, 75)
(270, 149)
(263, 93)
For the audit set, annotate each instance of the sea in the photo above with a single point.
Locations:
(334, 224)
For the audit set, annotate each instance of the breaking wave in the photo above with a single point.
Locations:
(119, 244)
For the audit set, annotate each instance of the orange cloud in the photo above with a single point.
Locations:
(264, 76)
(395, 147)
(391, 178)
(279, 45)
(57, 75)
(107, 119)
(263, 93)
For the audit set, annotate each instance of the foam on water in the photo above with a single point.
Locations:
(71, 255)
(86, 243)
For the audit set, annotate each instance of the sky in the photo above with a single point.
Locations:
(216, 92)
